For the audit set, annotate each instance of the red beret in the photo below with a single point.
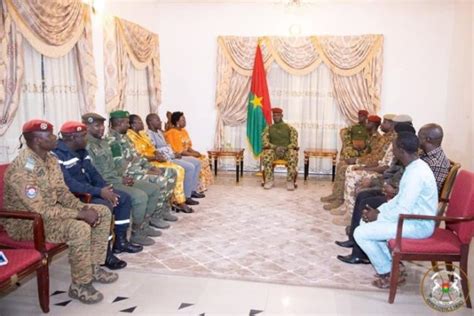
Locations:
(374, 119)
(37, 126)
(73, 127)
(277, 110)
(363, 112)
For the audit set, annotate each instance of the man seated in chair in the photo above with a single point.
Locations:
(280, 141)
(34, 182)
(418, 194)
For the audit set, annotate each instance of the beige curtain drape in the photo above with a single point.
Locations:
(125, 44)
(53, 28)
(355, 61)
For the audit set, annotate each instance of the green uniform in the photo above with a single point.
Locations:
(144, 195)
(132, 164)
(349, 134)
(280, 135)
(37, 185)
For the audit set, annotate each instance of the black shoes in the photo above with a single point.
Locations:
(114, 263)
(121, 244)
(197, 195)
(353, 260)
(182, 208)
(345, 244)
(190, 201)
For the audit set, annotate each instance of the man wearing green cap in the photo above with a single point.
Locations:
(145, 196)
(139, 168)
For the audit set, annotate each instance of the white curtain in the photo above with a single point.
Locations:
(308, 105)
(62, 98)
(137, 99)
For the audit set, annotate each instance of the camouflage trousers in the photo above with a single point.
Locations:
(166, 183)
(339, 180)
(178, 192)
(352, 181)
(270, 155)
(87, 245)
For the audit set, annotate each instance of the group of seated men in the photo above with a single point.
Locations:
(131, 176)
(380, 177)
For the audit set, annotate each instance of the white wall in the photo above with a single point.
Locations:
(428, 55)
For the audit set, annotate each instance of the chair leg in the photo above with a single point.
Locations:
(42, 277)
(434, 265)
(394, 277)
(450, 268)
(464, 280)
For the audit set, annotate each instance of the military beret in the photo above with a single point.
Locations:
(73, 127)
(277, 110)
(37, 126)
(389, 117)
(90, 118)
(119, 114)
(374, 119)
(363, 112)
(402, 118)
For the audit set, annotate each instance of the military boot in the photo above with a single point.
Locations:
(339, 211)
(290, 185)
(140, 237)
(328, 199)
(268, 185)
(334, 204)
(151, 232)
(85, 293)
(167, 216)
(113, 262)
(121, 244)
(103, 276)
(158, 222)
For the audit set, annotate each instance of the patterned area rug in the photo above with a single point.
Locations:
(240, 231)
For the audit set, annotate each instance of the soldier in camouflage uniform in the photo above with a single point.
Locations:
(134, 165)
(366, 168)
(280, 141)
(354, 138)
(144, 195)
(34, 182)
(336, 199)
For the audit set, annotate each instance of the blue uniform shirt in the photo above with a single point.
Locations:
(79, 173)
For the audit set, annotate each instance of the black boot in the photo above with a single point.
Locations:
(121, 244)
(112, 262)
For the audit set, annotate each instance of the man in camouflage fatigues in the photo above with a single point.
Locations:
(366, 169)
(336, 199)
(280, 141)
(144, 195)
(134, 165)
(34, 182)
(354, 138)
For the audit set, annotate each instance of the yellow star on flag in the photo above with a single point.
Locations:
(256, 101)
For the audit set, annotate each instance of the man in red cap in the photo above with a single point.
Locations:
(280, 141)
(34, 182)
(82, 177)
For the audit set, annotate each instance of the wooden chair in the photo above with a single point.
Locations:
(283, 163)
(450, 244)
(50, 249)
(24, 261)
(447, 187)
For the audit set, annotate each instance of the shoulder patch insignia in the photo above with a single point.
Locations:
(31, 191)
(30, 164)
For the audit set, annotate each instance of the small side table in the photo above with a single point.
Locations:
(237, 153)
(321, 153)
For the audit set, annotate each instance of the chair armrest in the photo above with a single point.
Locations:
(84, 197)
(402, 217)
(38, 226)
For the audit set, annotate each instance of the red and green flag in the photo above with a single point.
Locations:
(258, 107)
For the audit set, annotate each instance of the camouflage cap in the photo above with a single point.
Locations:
(90, 118)
(119, 114)
(389, 117)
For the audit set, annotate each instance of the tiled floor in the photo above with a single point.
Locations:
(239, 232)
